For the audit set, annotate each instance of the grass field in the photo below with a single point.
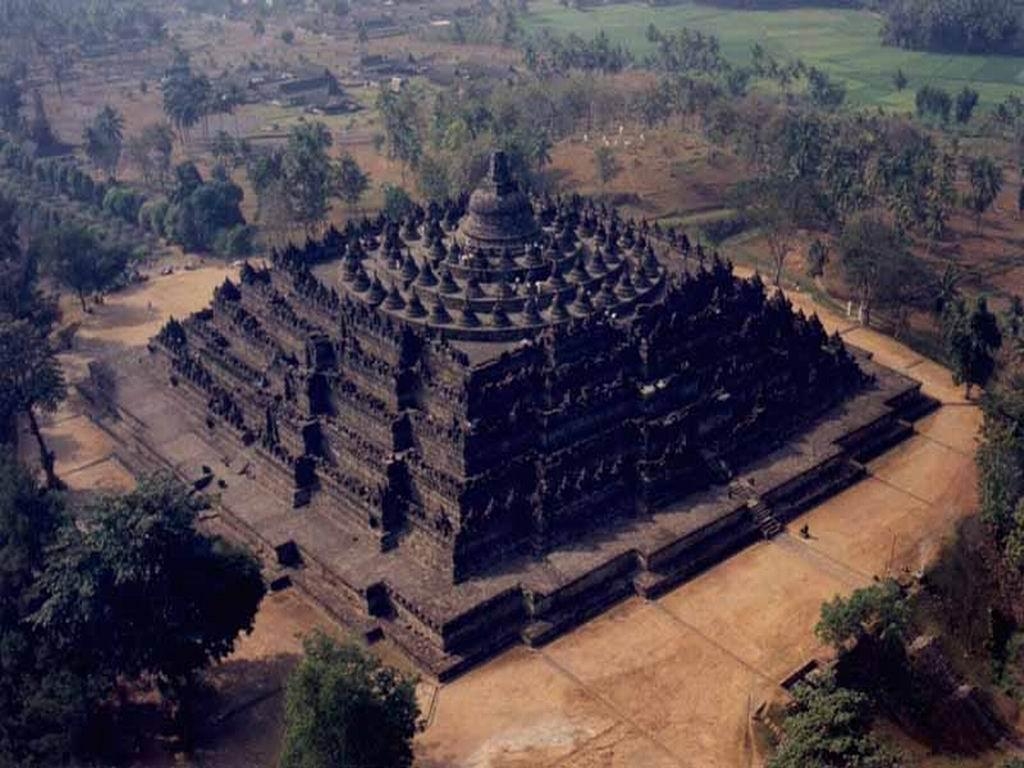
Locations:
(844, 43)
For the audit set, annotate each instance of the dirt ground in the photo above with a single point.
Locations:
(85, 459)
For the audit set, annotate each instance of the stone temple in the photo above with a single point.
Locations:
(486, 422)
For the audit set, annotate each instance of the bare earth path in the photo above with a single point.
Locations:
(670, 682)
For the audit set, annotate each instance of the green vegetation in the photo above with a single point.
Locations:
(76, 259)
(1001, 467)
(829, 726)
(31, 379)
(606, 165)
(882, 607)
(199, 214)
(972, 339)
(844, 43)
(104, 139)
(295, 184)
(122, 596)
(344, 709)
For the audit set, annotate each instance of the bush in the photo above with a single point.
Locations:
(397, 203)
(234, 242)
(123, 202)
(720, 230)
(152, 215)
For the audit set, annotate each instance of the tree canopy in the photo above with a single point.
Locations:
(875, 262)
(186, 95)
(127, 591)
(104, 139)
(345, 709)
(986, 179)
(846, 619)
(829, 728)
(144, 590)
(77, 259)
(972, 337)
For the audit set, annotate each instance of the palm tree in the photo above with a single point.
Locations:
(186, 98)
(986, 180)
(104, 139)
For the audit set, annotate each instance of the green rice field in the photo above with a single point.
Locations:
(844, 43)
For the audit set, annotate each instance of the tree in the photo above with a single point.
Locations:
(147, 593)
(20, 297)
(39, 129)
(224, 148)
(400, 115)
(47, 704)
(776, 205)
(966, 101)
(971, 338)
(432, 180)
(200, 210)
(397, 203)
(186, 96)
(352, 181)
(151, 151)
(880, 608)
(75, 258)
(31, 379)
(933, 101)
(986, 179)
(343, 709)
(830, 727)
(287, 36)
(309, 174)
(817, 257)
(823, 91)
(606, 165)
(104, 138)
(872, 256)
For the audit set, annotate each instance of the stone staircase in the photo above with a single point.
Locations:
(765, 520)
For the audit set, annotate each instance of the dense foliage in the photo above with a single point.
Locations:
(1000, 461)
(149, 595)
(344, 709)
(47, 701)
(54, 22)
(972, 338)
(78, 260)
(829, 728)
(955, 26)
(129, 593)
(295, 184)
(31, 379)
(846, 619)
(952, 26)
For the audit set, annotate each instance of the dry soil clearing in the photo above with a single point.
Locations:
(670, 682)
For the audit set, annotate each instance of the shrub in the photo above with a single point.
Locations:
(234, 242)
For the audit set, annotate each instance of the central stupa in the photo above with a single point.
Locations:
(500, 215)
